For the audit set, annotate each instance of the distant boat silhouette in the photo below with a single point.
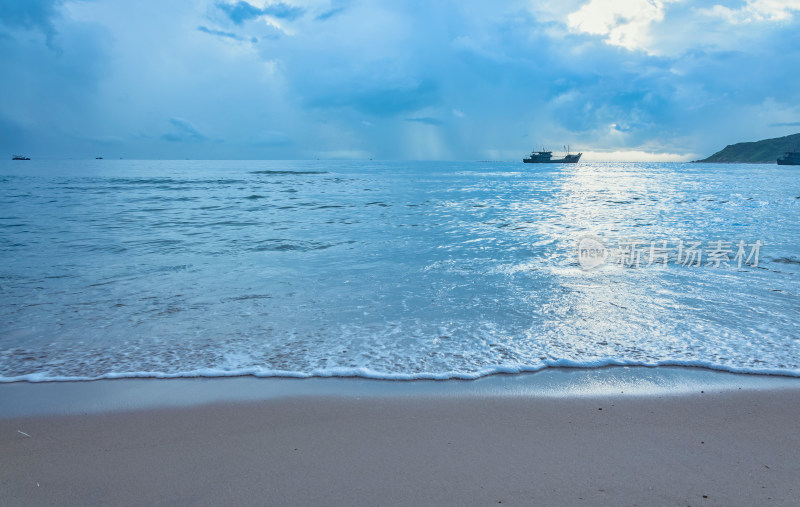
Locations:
(546, 157)
(19, 157)
(98, 158)
(790, 158)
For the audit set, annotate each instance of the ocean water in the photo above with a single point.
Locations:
(399, 270)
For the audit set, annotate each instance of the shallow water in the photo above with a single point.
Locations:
(389, 270)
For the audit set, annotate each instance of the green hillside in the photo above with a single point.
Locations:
(766, 151)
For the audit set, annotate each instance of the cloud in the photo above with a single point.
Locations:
(283, 11)
(220, 33)
(328, 14)
(636, 156)
(426, 120)
(624, 23)
(49, 95)
(755, 11)
(31, 14)
(788, 124)
(492, 78)
(183, 131)
(241, 11)
(388, 101)
(269, 138)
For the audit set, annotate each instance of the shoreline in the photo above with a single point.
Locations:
(26, 399)
(603, 437)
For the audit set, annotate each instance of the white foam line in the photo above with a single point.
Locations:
(372, 374)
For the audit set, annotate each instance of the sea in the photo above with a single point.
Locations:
(394, 270)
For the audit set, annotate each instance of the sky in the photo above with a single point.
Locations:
(408, 80)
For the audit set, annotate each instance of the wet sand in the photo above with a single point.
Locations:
(720, 447)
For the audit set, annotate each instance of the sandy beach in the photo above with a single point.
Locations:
(731, 446)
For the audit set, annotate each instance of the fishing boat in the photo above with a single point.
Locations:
(20, 157)
(790, 158)
(546, 157)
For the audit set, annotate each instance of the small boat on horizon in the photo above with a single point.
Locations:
(546, 157)
(20, 157)
(790, 158)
